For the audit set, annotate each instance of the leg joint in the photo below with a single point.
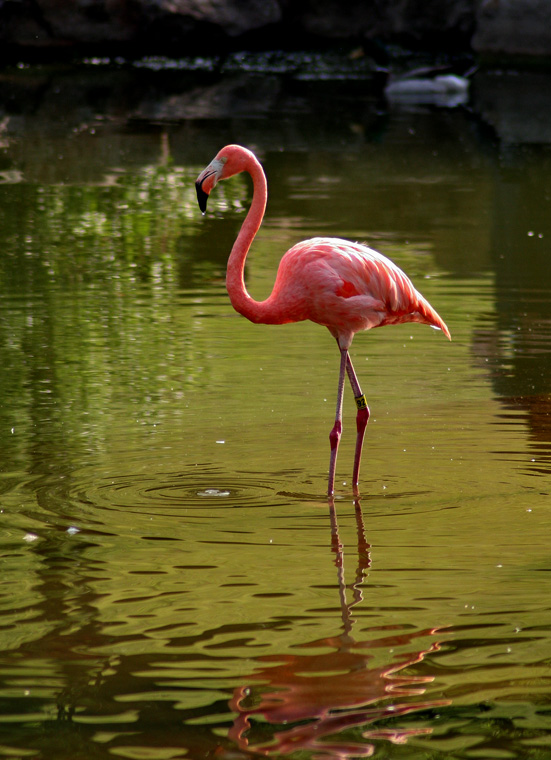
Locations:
(335, 434)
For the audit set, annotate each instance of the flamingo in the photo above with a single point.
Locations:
(343, 285)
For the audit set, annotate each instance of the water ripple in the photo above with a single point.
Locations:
(197, 490)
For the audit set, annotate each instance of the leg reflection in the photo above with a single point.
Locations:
(311, 701)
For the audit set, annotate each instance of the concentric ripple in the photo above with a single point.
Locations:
(198, 488)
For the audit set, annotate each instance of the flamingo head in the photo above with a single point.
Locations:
(231, 160)
(207, 180)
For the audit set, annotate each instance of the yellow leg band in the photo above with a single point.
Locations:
(361, 402)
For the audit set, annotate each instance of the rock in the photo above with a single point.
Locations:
(513, 27)
(416, 20)
(234, 17)
(176, 28)
(47, 23)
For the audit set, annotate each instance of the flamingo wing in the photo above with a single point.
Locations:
(348, 287)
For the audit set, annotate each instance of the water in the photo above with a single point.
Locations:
(173, 581)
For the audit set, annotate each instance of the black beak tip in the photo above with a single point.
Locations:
(202, 197)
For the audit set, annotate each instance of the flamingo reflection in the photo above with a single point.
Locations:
(315, 701)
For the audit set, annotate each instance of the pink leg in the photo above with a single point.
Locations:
(335, 434)
(361, 422)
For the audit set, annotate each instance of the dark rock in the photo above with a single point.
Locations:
(513, 28)
(412, 20)
(235, 17)
(176, 28)
(88, 23)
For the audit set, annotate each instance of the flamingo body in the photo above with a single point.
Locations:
(345, 286)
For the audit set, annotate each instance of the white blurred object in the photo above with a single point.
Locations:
(447, 90)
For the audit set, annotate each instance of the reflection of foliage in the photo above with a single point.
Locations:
(93, 280)
(76, 230)
(133, 220)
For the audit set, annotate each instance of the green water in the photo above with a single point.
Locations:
(173, 581)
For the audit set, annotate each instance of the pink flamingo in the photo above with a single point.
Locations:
(345, 286)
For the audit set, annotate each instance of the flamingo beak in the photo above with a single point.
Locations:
(202, 196)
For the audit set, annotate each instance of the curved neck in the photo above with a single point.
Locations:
(235, 281)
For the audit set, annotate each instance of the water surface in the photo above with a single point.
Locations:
(174, 583)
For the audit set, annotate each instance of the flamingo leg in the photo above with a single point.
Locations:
(335, 434)
(362, 417)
